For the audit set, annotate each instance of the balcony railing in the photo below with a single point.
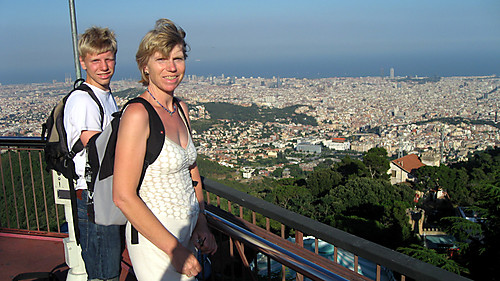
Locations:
(253, 234)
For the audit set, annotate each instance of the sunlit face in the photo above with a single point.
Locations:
(166, 73)
(100, 68)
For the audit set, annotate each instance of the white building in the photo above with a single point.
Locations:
(337, 144)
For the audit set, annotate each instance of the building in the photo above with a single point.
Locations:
(337, 144)
(247, 172)
(308, 147)
(430, 158)
(401, 169)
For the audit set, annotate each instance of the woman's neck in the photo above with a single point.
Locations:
(163, 99)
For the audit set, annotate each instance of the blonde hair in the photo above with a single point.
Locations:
(163, 38)
(97, 40)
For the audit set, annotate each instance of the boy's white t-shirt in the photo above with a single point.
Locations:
(81, 113)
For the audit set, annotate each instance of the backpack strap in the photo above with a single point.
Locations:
(156, 135)
(154, 142)
(183, 115)
(78, 146)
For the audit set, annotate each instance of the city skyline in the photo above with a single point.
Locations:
(278, 38)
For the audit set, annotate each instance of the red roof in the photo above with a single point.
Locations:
(338, 139)
(408, 163)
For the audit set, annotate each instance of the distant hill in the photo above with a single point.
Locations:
(219, 111)
(458, 120)
(234, 112)
(129, 93)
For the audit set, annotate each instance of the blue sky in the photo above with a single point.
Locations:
(313, 38)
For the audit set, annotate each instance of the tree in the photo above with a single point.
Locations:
(481, 256)
(462, 229)
(370, 208)
(322, 180)
(454, 181)
(278, 173)
(294, 198)
(432, 257)
(351, 168)
(377, 163)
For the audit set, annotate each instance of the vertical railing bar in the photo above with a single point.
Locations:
(24, 192)
(218, 201)
(335, 253)
(378, 272)
(283, 273)
(299, 240)
(45, 203)
(283, 268)
(13, 188)
(241, 251)
(316, 245)
(241, 246)
(4, 194)
(34, 193)
(231, 242)
(268, 258)
(207, 194)
(403, 278)
(268, 228)
(356, 264)
(254, 218)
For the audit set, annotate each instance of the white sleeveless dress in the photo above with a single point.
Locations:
(168, 191)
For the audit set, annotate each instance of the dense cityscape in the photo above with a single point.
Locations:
(273, 132)
(445, 117)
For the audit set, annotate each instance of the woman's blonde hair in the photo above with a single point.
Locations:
(163, 38)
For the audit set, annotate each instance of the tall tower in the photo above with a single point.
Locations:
(441, 145)
(392, 73)
(496, 114)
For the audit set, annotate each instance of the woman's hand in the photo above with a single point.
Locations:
(185, 262)
(202, 238)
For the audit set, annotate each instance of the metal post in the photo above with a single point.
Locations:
(72, 251)
(74, 34)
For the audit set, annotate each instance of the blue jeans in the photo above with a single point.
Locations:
(101, 245)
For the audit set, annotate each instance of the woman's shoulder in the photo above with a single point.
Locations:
(135, 112)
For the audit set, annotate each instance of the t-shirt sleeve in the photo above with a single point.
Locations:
(83, 112)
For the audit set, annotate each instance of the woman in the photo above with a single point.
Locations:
(168, 211)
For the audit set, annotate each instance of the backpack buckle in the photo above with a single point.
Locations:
(90, 195)
(70, 155)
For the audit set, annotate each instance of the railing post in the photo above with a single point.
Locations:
(72, 251)
(299, 240)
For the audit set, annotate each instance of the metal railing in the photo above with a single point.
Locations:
(256, 229)
(401, 265)
(27, 197)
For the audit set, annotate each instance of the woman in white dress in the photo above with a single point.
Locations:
(167, 213)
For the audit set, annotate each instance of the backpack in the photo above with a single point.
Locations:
(58, 156)
(100, 163)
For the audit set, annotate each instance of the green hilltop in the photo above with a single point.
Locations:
(234, 112)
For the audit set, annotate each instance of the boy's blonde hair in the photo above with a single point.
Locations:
(97, 40)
